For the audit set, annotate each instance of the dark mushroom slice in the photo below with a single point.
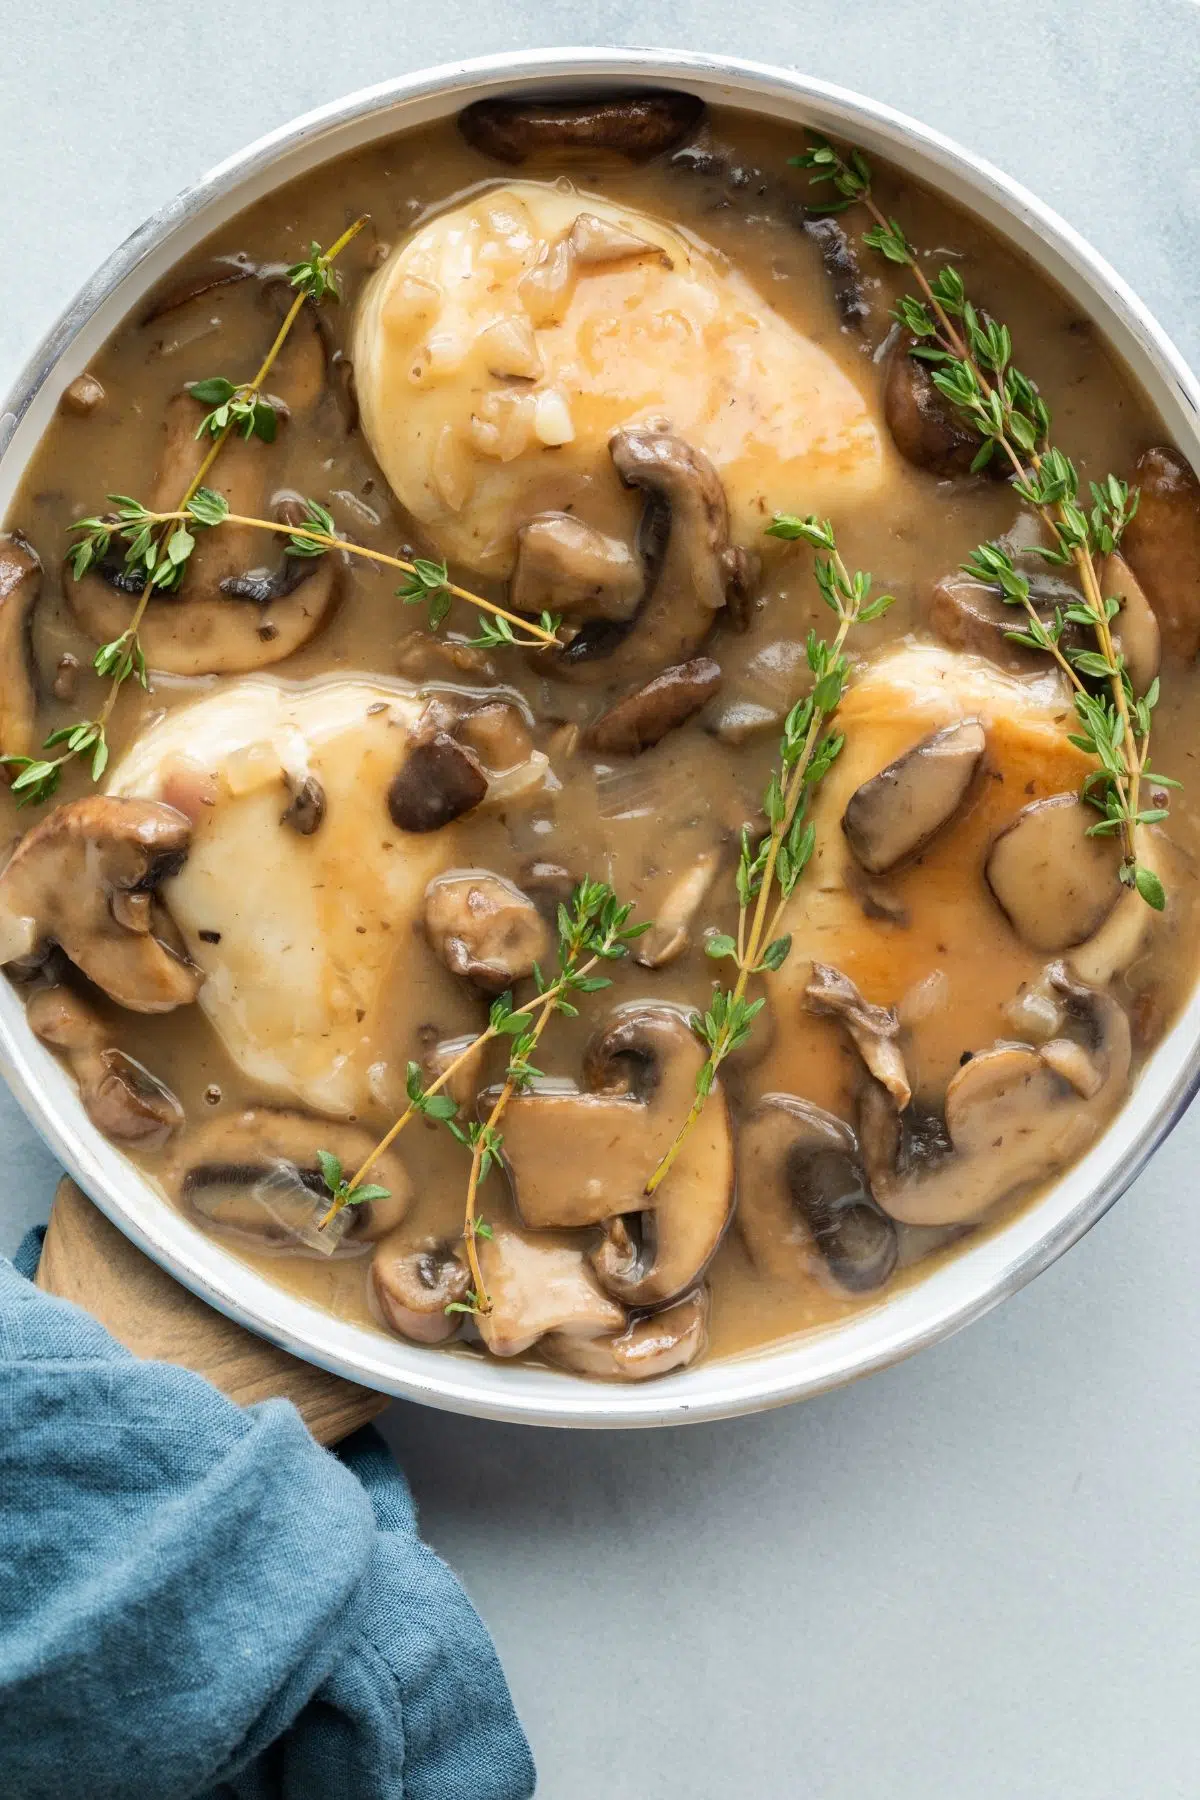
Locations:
(643, 718)
(256, 1175)
(692, 572)
(484, 928)
(20, 585)
(840, 262)
(895, 814)
(1054, 883)
(414, 1284)
(218, 272)
(120, 1097)
(926, 429)
(564, 566)
(635, 126)
(538, 1285)
(732, 182)
(85, 879)
(233, 614)
(1135, 630)
(873, 1029)
(305, 812)
(971, 615)
(1013, 1115)
(804, 1197)
(438, 781)
(1162, 546)
(651, 1345)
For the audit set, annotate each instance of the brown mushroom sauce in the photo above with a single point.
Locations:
(655, 806)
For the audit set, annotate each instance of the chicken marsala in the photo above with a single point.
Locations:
(641, 962)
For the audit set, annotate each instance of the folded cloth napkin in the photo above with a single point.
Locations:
(197, 1600)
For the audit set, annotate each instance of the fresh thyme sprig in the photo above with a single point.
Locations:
(593, 928)
(242, 407)
(425, 580)
(768, 871)
(158, 547)
(970, 361)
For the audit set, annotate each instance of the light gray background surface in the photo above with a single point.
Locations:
(974, 1577)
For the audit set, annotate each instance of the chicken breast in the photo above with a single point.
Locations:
(498, 349)
(934, 914)
(304, 940)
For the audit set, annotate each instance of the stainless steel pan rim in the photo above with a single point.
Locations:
(980, 1276)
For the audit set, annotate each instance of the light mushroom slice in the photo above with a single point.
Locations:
(120, 1097)
(1135, 630)
(1162, 546)
(892, 817)
(244, 604)
(1013, 1115)
(652, 1345)
(577, 1155)
(1054, 883)
(413, 1284)
(634, 127)
(566, 566)
(535, 1286)
(926, 429)
(668, 700)
(20, 584)
(484, 928)
(671, 933)
(85, 879)
(874, 1029)
(256, 1175)
(692, 570)
(804, 1198)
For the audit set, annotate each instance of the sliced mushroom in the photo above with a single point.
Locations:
(464, 1084)
(20, 584)
(874, 1029)
(667, 701)
(576, 1156)
(438, 781)
(306, 809)
(1135, 630)
(564, 566)
(498, 735)
(484, 928)
(1054, 884)
(633, 126)
(85, 879)
(896, 813)
(692, 571)
(840, 262)
(232, 614)
(414, 1284)
(970, 615)
(671, 933)
(83, 396)
(649, 1346)
(535, 1287)
(925, 428)
(256, 1175)
(547, 289)
(1162, 546)
(120, 1097)
(221, 271)
(1011, 1117)
(803, 1192)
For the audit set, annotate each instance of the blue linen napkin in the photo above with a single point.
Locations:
(197, 1602)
